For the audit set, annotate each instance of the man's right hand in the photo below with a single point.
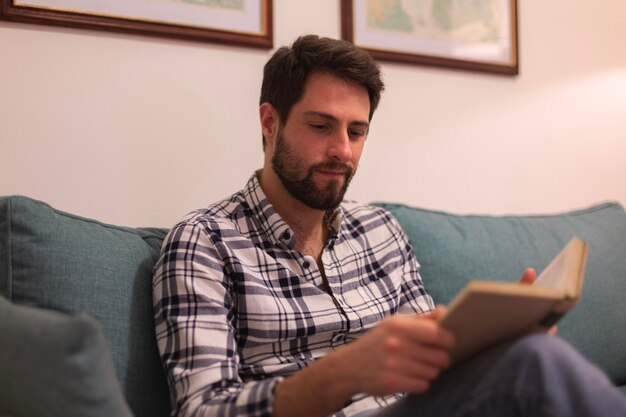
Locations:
(401, 354)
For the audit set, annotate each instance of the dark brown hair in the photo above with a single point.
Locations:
(286, 72)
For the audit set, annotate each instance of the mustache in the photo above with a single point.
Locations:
(333, 166)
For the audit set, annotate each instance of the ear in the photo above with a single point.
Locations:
(268, 116)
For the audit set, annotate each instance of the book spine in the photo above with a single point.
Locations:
(559, 310)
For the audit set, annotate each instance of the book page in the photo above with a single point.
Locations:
(564, 273)
(554, 274)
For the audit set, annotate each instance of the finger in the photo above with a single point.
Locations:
(407, 351)
(429, 332)
(412, 367)
(435, 314)
(429, 356)
(528, 277)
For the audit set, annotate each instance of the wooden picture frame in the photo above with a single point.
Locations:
(233, 22)
(452, 34)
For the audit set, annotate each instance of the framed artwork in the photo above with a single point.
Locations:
(478, 35)
(234, 22)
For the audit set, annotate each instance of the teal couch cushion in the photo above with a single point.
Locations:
(453, 249)
(55, 365)
(54, 260)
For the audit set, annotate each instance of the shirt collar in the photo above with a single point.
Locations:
(274, 226)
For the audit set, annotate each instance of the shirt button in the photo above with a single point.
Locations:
(286, 235)
(339, 338)
(306, 264)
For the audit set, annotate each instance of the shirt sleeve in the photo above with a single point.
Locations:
(195, 319)
(414, 298)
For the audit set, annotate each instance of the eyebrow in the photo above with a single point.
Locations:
(332, 118)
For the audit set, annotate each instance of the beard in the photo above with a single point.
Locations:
(289, 168)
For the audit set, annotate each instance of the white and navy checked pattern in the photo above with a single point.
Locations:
(237, 307)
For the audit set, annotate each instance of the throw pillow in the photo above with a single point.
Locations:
(52, 364)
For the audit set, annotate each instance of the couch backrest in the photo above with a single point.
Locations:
(454, 249)
(59, 261)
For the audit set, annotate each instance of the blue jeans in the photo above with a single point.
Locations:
(537, 375)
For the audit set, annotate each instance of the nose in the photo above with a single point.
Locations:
(340, 149)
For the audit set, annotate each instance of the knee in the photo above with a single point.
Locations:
(542, 348)
(540, 344)
(544, 355)
(546, 369)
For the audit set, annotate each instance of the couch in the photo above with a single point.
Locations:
(76, 325)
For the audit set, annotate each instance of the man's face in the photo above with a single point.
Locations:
(317, 151)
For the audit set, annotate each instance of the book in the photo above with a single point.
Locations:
(485, 313)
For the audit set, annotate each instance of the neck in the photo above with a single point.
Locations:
(307, 223)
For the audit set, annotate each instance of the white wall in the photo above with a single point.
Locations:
(137, 130)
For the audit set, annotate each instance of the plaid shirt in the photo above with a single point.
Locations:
(237, 308)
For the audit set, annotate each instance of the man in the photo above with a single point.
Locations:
(283, 300)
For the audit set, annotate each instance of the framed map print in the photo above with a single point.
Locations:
(235, 22)
(478, 35)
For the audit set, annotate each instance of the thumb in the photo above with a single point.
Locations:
(435, 314)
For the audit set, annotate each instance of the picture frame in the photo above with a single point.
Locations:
(475, 36)
(233, 22)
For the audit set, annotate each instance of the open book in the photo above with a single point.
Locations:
(488, 312)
